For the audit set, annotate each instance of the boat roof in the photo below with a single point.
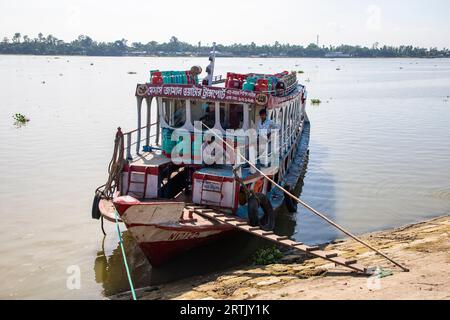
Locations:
(211, 93)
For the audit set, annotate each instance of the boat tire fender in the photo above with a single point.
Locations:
(267, 222)
(253, 208)
(95, 209)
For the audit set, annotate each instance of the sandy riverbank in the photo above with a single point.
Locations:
(422, 247)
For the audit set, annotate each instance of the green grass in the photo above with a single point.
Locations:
(20, 119)
(316, 101)
(265, 256)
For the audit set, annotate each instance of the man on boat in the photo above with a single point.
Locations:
(264, 128)
(264, 123)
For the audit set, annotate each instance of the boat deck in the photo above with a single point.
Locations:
(150, 159)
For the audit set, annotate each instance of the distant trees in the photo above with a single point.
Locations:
(84, 45)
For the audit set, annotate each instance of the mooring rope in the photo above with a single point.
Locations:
(130, 281)
(316, 212)
(115, 167)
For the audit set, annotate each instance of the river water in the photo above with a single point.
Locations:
(379, 158)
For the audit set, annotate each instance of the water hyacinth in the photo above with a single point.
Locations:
(20, 119)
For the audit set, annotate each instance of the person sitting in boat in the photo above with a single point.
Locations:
(264, 123)
(209, 116)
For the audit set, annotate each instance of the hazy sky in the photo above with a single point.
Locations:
(417, 22)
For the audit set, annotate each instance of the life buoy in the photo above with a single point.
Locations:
(95, 209)
(290, 204)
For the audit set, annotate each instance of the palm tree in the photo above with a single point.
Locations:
(16, 38)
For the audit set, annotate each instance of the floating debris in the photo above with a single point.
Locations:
(43, 82)
(338, 69)
(20, 119)
(300, 71)
(92, 64)
(61, 74)
(131, 72)
(315, 101)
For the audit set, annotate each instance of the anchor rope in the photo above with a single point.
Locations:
(304, 204)
(130, 281)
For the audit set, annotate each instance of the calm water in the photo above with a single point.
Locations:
(379, 157)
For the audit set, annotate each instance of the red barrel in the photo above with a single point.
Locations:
(262, 85)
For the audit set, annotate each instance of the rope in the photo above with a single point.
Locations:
(115, 167)
(316, 212)
(130, 281)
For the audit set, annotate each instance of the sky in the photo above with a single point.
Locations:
(422, 23)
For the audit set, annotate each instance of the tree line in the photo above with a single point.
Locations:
(84, 45)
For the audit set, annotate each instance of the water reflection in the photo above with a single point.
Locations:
(110, 271)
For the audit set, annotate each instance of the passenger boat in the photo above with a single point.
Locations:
(160, 168)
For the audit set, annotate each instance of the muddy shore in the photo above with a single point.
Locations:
(424, 248)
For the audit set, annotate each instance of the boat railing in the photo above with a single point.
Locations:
(133, 138)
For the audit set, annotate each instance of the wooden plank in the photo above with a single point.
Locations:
(282, 238)
(313, 248)
(268, 233)
(350, 261)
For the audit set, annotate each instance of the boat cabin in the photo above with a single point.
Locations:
(179, 113)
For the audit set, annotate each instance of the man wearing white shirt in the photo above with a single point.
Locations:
(264, 123)
(264, 128)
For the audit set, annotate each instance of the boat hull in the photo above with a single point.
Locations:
(166, 229)
(161, 251)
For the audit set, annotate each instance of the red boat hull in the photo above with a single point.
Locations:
(164, 230)
(161, 252)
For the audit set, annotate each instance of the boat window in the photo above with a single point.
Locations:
(203, 112)
(231, 116)
(174, 112)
